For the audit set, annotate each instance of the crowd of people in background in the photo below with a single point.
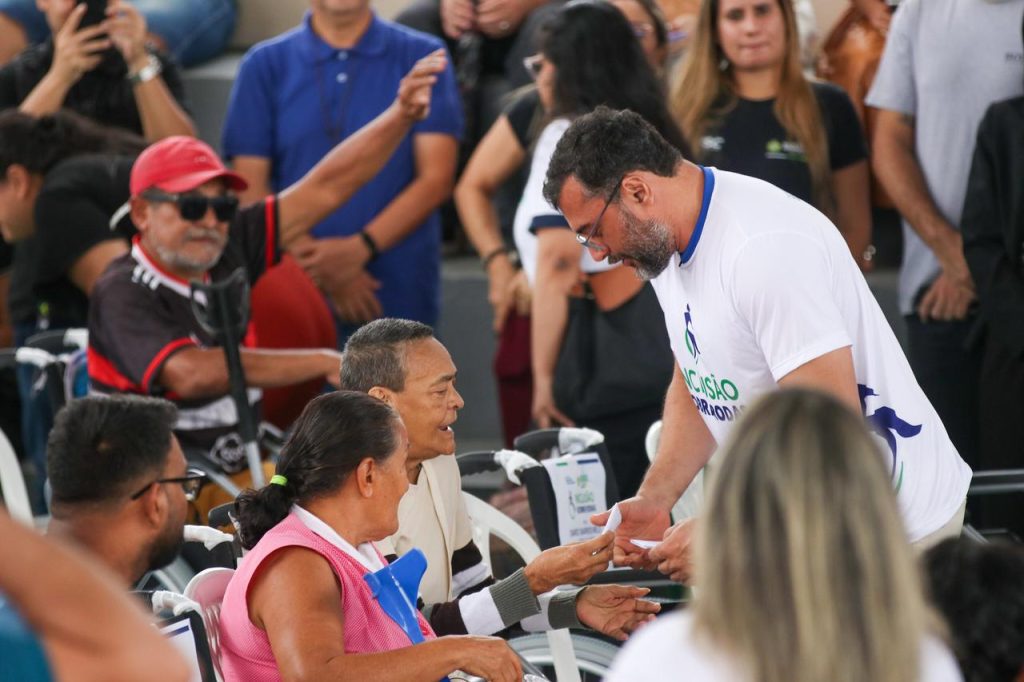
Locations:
(675, 217)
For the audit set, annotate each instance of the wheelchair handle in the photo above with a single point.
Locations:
(477, 462)
(221, 515)
(535, 441)
(512, 462)
(565, 439)
(997, 482)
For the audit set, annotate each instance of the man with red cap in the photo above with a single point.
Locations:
(143, 336)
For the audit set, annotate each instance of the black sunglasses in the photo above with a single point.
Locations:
(193, 206)
(191, 482)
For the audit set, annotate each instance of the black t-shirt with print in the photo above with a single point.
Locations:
(72, 215)
(141, 316)
(750, 140)
(104, 94)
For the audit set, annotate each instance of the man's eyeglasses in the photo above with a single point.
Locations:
(193, 206)
(584, 239)
(533, 64)
(191, 482)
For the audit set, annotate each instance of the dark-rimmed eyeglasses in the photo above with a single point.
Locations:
(193, 206)
(585, 238)
(533, 64)
(191, 482)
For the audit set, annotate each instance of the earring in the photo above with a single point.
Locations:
(723, 65)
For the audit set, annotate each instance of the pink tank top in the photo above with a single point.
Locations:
(246, 654)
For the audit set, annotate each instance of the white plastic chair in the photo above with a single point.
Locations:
(489, 521)
(12, 483)
(207, 589)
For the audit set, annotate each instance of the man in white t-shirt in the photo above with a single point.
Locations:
(759, 291)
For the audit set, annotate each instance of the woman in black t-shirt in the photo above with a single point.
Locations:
(744, 105)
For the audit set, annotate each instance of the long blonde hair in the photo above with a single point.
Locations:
(702, 93)
(804, 567)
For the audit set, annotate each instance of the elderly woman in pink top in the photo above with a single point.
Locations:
(298, 608)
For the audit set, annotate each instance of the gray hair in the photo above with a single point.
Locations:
(375, 354)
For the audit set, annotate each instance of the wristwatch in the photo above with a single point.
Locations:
(151, 70)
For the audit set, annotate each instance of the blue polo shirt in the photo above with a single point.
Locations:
(296, 97)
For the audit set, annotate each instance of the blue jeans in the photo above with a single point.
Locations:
(193, 30)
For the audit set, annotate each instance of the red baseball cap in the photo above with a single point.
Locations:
(179, 164)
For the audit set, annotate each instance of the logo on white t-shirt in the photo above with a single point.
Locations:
(887, 424)
(691, 338)
(715, 397)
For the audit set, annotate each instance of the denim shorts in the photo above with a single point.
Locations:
(193, 30)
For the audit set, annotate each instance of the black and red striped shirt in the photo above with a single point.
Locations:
(140, 315)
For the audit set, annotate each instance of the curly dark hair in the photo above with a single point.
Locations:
(979, 588)
(602, 146)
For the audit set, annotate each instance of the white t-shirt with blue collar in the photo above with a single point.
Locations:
(767, 284)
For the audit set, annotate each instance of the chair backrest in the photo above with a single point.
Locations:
(489, 521)
(207, 589)
(12, 483)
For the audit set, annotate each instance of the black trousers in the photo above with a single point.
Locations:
(1001, 443)
(949, 374)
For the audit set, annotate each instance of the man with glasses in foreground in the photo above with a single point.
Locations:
(121, 485)
(143, 335)
(758, 291)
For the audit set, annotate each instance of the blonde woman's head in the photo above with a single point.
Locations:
(750, 35)
(805, 569)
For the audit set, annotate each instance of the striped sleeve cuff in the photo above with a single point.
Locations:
(514, 598)
(562, 609)
(557, 610)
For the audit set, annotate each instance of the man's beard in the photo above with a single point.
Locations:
(166, 547)
(179, 261)
(648, 243)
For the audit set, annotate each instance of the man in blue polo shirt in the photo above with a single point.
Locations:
(298, 95)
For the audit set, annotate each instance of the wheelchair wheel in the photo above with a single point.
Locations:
(593, 654)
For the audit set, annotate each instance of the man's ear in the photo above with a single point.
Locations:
(385, 395)
(154, 506)
(635, 189)
(19, 179)
(366, 476)
(140, 213)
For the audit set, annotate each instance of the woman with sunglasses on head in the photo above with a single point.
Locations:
(587, 315)
(745, 106)
(803, 564)
(486, 197)
(299, 606)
